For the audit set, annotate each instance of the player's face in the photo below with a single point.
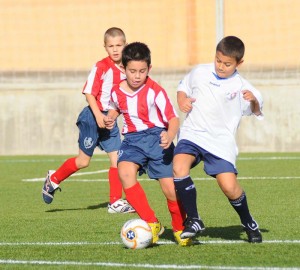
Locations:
(225, 66)
(114, 47)
(136, 74)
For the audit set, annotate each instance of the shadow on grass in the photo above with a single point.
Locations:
(233, 233)
(90, 207)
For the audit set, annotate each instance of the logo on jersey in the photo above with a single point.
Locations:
(120, 153)
(231, 96)
(88, 142)
(215, 84)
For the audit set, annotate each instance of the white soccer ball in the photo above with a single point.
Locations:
(136, 234)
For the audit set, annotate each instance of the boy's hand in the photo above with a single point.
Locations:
(186, 105)
(99, 120)
(165, 140)
(108, 122)
(248, 95)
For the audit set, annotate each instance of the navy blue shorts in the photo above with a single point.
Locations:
(91, 136)
(143, 149)
(213, 165)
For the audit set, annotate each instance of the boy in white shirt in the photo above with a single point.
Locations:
(215, 97)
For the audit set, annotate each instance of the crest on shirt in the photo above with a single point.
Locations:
(88, 142)
(231, 96)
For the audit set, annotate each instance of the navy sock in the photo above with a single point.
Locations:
(187, 194)
(240, 205)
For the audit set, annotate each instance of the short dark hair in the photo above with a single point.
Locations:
(232, 46)
(136, 51)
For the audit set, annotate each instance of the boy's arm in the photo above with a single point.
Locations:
(94, 107)
(167, 137)
(184, 102)
(254, 104)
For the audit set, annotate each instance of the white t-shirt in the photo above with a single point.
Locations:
(213, 121)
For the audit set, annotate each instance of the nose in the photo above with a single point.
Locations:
(221, 66)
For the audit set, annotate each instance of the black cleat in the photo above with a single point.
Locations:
(253, 236)
(253, 233)
(192, 226)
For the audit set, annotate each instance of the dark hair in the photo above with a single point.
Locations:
(136, 51)
(232, 46)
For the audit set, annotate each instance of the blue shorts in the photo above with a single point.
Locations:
(143, 149)
(213, 165)
(91, 136)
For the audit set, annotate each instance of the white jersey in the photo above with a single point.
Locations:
(213, 121)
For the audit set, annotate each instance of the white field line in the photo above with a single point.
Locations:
(147, 179)
(149, 266)
(75, 174)
(208, 242)
(106, 159)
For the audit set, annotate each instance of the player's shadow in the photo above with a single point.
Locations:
(90, 207)
(233, 233)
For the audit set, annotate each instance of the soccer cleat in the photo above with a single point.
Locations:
(182, 242)
(192, 226)
(253, 233)
(120, 206)
(48, 190)
(157, 230)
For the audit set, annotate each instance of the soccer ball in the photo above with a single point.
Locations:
(136, 234)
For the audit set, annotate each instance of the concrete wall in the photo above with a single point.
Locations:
(68, 34)
(41, 119)
(48, 47)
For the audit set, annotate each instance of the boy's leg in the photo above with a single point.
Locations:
(177, 213)
(136, 196)
(54, 178)
(70, 166)
(88, 137)
(115, 185)
(110, 142)
(116, 203)
(237, 198)
(187, 194)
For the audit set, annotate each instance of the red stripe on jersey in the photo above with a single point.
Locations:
(146, 108)
(103, 76)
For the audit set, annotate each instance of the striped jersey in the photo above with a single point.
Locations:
(103, 76)
(146, 108)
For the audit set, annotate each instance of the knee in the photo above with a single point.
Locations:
(233, 193)
(82, 163)
(179, 170)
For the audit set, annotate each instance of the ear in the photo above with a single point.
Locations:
(150, 67)
(240, 63)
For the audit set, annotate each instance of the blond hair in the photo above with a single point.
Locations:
(113, 32)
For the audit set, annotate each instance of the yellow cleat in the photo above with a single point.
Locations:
(182, 242)
(157, 230)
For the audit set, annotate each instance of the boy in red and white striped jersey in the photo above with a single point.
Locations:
(92, 133)
(150, 124)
